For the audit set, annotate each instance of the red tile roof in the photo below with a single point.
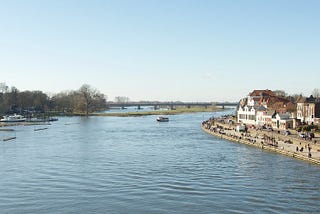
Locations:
(263, 93)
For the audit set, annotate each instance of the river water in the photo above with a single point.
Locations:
(137, 165)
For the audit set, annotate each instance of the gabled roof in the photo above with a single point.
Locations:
(310, 99)
(261, 108)
(270, 113)
(284, 116)
(301, 99)
(255, 107)
(250, 108)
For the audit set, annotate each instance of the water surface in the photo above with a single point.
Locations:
(137, 165)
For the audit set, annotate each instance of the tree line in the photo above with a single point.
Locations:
(83, 101)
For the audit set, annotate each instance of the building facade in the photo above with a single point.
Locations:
(308, 110)
(246, 115)
(282, 121)
(253, 110)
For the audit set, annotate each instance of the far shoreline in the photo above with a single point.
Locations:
(121, 114)
(161, 112)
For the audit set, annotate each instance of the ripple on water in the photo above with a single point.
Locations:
(135, 165)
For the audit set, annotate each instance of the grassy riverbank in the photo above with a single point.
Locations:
(158, 112)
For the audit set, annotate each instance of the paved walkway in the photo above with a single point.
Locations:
(273, 141)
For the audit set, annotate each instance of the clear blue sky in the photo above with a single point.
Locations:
(188, 50)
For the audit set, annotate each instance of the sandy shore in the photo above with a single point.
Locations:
(269, 141)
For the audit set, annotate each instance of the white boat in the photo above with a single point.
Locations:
(51, 119)
(13, 118)
(162, 119)
(34, 119)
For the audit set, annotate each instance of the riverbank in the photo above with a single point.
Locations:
(156, 112)
(121, 114)
(22, 124)
(268, 141)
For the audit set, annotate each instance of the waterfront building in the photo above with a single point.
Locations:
(268, 118)
(264, 117)
(282, 121)
(261, 116)
(260, 108)
(249, 106)
(246, 115)
(308, 110)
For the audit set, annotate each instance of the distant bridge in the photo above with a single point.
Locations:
(171, 105)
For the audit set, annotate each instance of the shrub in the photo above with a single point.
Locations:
(308, 128)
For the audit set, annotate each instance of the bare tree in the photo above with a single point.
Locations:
(121, 99)
(9, 101)
(92, 98)
(87, 94)
(63, 101)
(3, 87)
(280, 93)
(316, 93)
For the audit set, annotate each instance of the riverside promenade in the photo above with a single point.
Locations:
(273, 141)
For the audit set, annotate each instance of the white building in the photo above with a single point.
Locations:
(253, 110)
(282, 121)
(247, 115)
(261, 116)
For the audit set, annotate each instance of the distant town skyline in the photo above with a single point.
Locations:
(161, 50)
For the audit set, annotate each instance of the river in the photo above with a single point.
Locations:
(137, 165)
